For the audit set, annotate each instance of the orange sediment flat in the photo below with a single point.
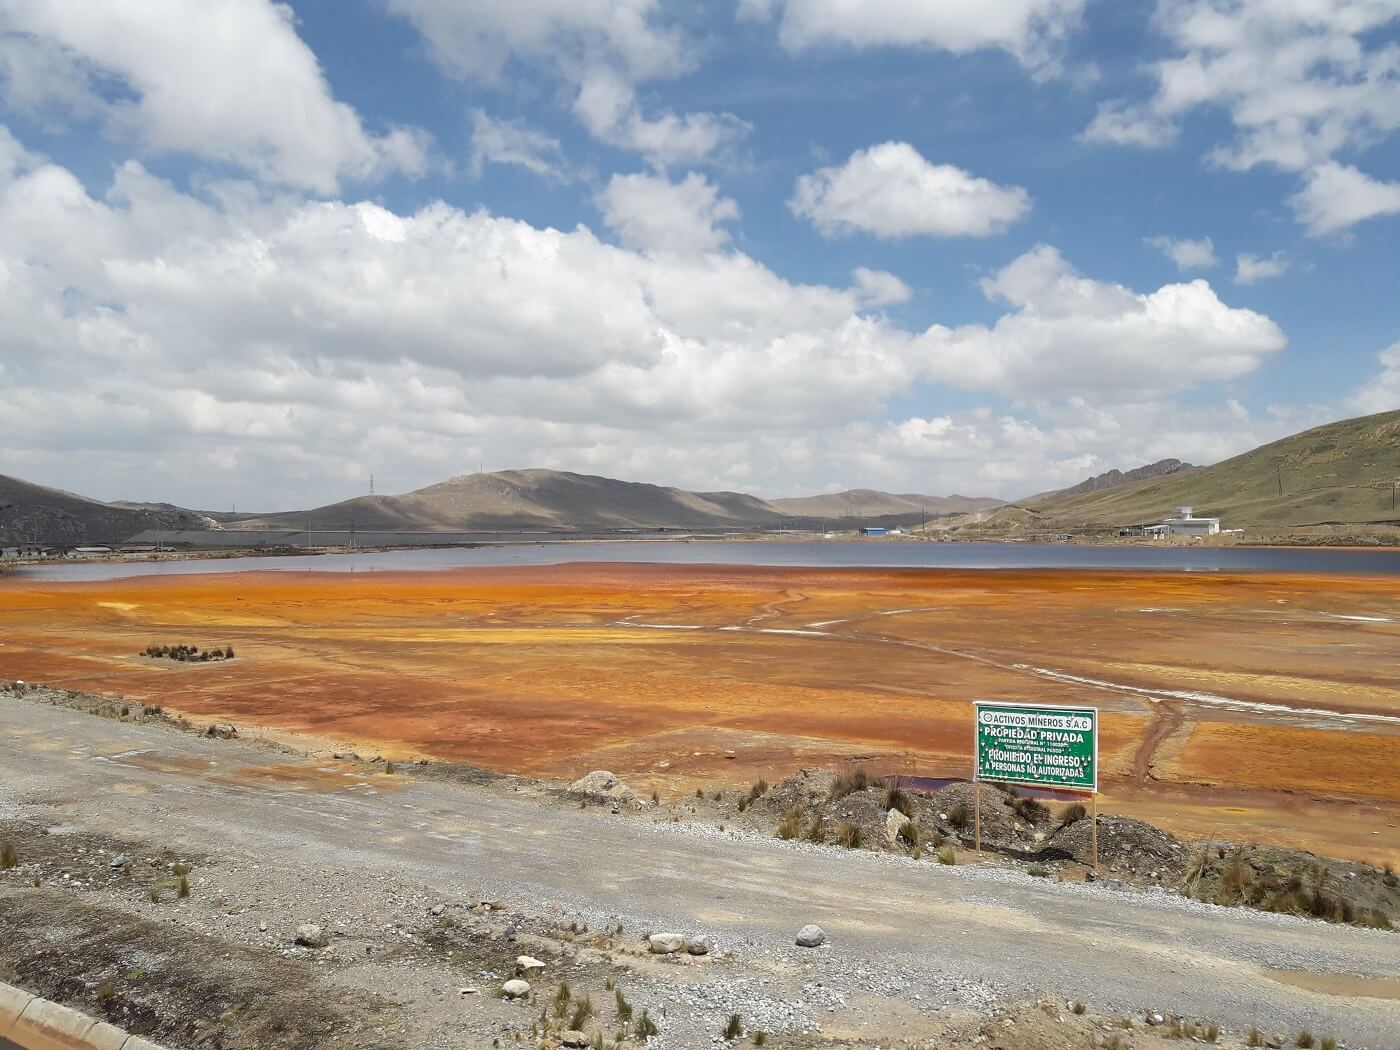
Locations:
(1232, 704)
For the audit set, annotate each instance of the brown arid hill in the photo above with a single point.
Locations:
(1111, 479)
(532, 499)
(1345, 473)
(868, 503)
(552, 499)
(34, 514)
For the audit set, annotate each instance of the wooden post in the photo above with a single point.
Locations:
(977, 816)
(1094, 827)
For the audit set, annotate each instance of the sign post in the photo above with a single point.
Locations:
(1039, 746)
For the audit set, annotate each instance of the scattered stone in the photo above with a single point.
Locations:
(665, 943)
(1155, 1019)
(223, 730)
(699, 945)
(309, 935)
(574, 1039)
(119, 861)
(438, 909)
(467, 990)
(811, 936)
(516, 989)
(528, 966)
(894, 823)
(602, 786)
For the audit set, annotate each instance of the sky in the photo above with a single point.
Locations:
(254, 253)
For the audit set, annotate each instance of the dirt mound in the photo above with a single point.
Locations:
(1129, 846)
(1274, 878)
(1009, 822)
(602, 787)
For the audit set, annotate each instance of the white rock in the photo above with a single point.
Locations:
(574, 1039)
(699, 945)
(528, 966)
(310, 935)
(666, 943)
(811, 936)
(894, 822)
(602, 786)
(516, 989)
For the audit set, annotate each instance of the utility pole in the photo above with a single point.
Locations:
(1280, 481)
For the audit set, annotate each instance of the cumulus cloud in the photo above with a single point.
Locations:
(226, 80)
(1251, 269)
(652, 212)
(607, 106)
(1298, 81)
(890, 190)
(274, 350)
(1067, 333)
(1029, 29)
(1185, 253)
(1381, 393)
(513, 142)
(1338, 196)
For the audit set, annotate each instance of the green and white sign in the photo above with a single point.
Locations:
(1035, 744)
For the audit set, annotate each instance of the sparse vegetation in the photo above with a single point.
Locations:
(1305, 1038)
(183, 890)
(388, 767)
(758, 789)
(9, 858)
(849, 783)
(960, 816)
(646, 1027)
(624, 1008)
(848, 835)
(1212, 1033)
(734, 1027)
(947, 855)
(1328, 1043)
(1255, 1038)
(1074, 812)
(816, 830)
(897, 798)
(583, 1010)
(1079, 1008)
(1031, 810)
(760, 1038)
(791, 824)
(1039, 871)
(908, 835)
(187, 653)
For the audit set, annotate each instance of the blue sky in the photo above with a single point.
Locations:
(257, 252)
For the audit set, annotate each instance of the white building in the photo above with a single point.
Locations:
(1187, 524)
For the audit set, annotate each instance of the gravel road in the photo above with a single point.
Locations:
(900, 930)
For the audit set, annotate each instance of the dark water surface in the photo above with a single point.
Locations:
(816, 554)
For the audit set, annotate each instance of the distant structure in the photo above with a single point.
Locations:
(1187, 524)
(872, 530)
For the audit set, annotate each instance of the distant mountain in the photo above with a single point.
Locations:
(33, 513)
(1111, 479)
(1343, 473)
(516, 499)
(868, 503)
(513, 499)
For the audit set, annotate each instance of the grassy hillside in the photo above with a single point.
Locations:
(1338, 473)
(868, 503)
(34, 513)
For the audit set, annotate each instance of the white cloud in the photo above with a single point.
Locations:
(1300, 80)
(512, 142)
(607, 105)
(1381, 393)
(880, 288)
(890, 190)
(475, 39)
(1187, 254)
(1029, 29)
(265, 348)
(1251, 269)
(1337, 196)
(1068, 334)
(651, 212)
(227, 80)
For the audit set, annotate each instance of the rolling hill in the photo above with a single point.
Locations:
(33, 513)
(868, 503)
(1111, 479)
(1344, 472)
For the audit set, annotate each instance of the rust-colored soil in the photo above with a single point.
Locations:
(1233, 705)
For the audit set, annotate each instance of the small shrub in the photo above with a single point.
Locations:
(1113, 1042)
(947, 855)
(760, 1038)
(9, 857)
(897, 798)
(562, 997)
(1305, 1038)
(1212, 1033)
(184, 888)
(734, 1027)
(849, 783)
(1039, 871)
(388, 767)
(646, 1027)
(583, 1010)
(180, 869)
(791, 824)
(717, 795)
(699, 792)
(960, 816)
(908, 835)
(816, 830)
(1032, 811)
(154, 894)
(624, 1008)
(656, 798)
(758, 789)
(1079, 1008)
(743, 803)
(848, 835)
(1255, 1038)
(1329, 1042)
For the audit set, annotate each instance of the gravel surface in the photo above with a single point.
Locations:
(369, 857)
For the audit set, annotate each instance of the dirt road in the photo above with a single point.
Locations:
(918, 923)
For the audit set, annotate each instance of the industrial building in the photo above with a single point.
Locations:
(1187, 524)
